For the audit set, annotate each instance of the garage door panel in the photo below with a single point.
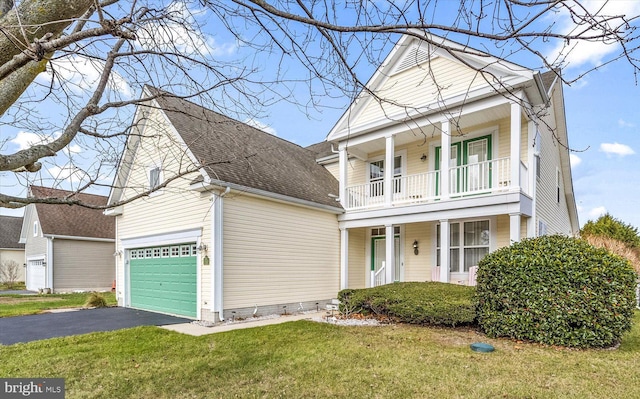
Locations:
(164, 284)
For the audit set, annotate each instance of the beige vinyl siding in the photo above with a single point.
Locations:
(503, 231)
(278, 253)
(418, 267)
(34, 246)
(177, 208)
(415, 87)
(555, 215)
(334, 169)
(82, 265)
(15, 255)
(358, 269)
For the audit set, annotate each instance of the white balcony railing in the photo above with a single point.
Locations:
(472, 179)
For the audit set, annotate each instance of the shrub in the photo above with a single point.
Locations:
(95, 300)
(427, 303)
(555, 290)
(9, 271)
(617, 247)
(608, 226)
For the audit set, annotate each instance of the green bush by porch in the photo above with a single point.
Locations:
(556, 290)
(423, 303)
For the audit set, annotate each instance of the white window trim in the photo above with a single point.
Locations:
(492, 240)
(403, 163)
(493, 131)
(150, 168)
(36, 228)
(558, 186)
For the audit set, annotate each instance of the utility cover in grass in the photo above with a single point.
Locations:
(482, 347)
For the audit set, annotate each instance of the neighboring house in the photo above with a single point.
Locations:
(506, 161)
(247, 223)
(252, 231)
(10, 247)
(68, 248)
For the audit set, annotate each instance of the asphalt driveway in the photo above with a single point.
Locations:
(51, 325)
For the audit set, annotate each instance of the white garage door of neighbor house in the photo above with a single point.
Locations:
(36, 272)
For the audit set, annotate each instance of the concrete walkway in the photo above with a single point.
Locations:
(198, 330)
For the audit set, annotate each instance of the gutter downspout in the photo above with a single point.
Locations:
(49, 259)
(217, 232)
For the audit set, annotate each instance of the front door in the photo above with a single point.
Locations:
(378, 260)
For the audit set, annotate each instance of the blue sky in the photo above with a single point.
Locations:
(602, 119)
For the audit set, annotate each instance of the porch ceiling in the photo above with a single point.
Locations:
(415, 132)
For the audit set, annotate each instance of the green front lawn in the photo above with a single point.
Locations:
(313, 360)
(19, 305)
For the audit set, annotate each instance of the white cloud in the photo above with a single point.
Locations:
(68, 173)
(72, 149)
(181, 33)
(574, 160)
(262, 126)
(26, 140)
(591, 53)
(623, 123)
(83, 74)
(596, 212)
(616, 149)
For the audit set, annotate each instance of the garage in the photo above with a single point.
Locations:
(36, 274)
(164, 279)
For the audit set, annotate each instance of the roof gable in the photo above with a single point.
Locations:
(234, 153)
(10, 227)
(424, 76)
(72, 220)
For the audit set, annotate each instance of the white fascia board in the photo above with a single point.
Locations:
(124, 164)
(116, 211)
(24, 230)
(76, 238)
(219, 185)
(175, 237)
(499, 204)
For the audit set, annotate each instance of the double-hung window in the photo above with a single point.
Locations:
(376, 176)
(468, 243)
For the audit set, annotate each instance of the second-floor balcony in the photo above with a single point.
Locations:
(481, 178)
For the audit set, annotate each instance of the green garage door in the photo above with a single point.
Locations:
(163, 279)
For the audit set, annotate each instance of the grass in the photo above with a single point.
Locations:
(17, 286)
(19, 305)
(310, 360)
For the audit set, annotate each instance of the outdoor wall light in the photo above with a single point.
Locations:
(415, 247)
(202, 247)
(423, 157)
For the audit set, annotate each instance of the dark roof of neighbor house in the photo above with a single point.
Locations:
(73, 220)
(234, 152)
(10, 227)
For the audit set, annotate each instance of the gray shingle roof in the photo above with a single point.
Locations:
(323, 149)
(10, 227)
(233, 152)
(73, 220)
(548, 78)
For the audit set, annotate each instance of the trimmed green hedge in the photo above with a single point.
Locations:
(555, 290)
(424, 303)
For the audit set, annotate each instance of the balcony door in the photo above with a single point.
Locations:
(469, 166)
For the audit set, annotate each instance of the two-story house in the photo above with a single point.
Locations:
(416, 212)
(241, 222)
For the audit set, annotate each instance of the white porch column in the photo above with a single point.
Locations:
(390, 255)
(344, 258)
(388, 170)
(444, 251)
(516, 129)
(514, 227)
(343, 161)
(445, 158)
